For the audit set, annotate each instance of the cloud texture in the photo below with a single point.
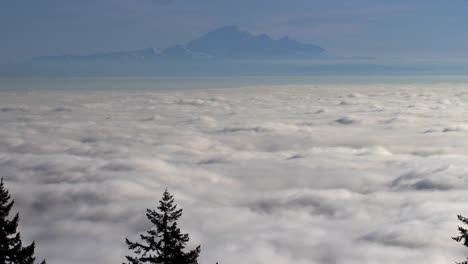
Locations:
(318, 174)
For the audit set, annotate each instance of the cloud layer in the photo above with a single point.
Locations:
(293, 174)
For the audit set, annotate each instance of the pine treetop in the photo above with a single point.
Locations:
(164, 243)
(11, 246)
(463, 237)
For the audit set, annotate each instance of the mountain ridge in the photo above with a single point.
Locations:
(227, 42)
(139, 54)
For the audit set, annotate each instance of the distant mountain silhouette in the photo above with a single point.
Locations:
(226, 51)
(227, 42)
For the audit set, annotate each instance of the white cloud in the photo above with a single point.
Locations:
(291, 174)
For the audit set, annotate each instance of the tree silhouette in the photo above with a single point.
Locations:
(463, 237)
(164, 243)
(11, 246)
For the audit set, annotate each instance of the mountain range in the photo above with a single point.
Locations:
(227, 42)
(225, 51)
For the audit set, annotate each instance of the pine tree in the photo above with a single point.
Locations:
(11, 246)
(463, 237)
(164, 243)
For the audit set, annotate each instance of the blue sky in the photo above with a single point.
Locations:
(414, 28)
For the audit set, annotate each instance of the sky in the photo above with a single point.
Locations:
(410, 28)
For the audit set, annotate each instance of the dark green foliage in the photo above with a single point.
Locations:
(11, 246)
(164, 243)
(463, 237)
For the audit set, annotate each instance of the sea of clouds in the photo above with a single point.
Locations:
(319, 174)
